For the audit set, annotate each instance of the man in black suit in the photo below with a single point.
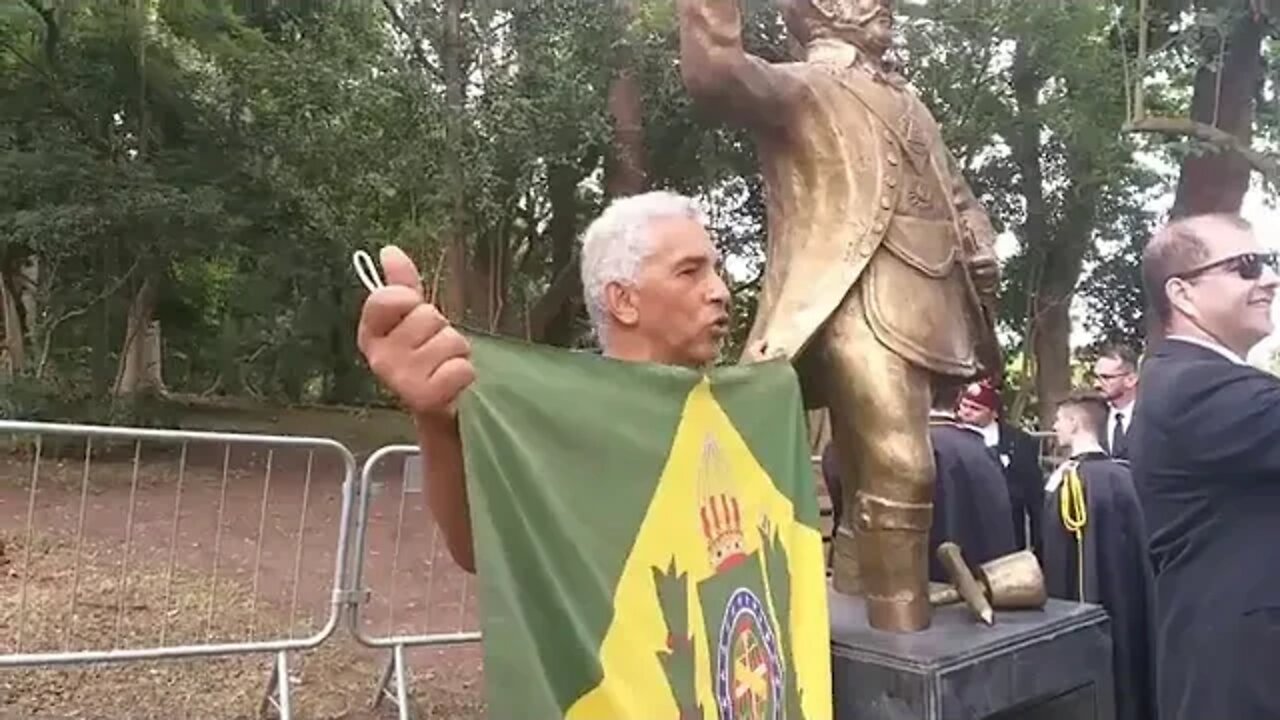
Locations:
(971, 505)
(1205, 453)
(1018, 454)
(1115, 375)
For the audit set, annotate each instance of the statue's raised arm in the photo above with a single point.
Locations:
(720, 75)
(880, 269)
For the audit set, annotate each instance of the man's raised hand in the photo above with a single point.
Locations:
(410, 345)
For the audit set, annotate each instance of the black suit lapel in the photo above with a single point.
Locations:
(1006, 439)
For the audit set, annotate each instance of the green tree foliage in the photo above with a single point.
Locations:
(1032, 97)
(221, 160)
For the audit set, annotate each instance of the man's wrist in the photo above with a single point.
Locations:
(435, 423)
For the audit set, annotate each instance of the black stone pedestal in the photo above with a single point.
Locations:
(1051, 664)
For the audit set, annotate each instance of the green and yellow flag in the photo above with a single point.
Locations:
(647, 539)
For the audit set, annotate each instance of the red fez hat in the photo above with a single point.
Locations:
(983, 393)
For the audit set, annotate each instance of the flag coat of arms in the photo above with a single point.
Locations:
(646, 538)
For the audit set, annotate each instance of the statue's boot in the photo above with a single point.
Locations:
(892, 540)
(844, 562)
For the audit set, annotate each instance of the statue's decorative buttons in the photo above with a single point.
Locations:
(878, 227)
(893, 158)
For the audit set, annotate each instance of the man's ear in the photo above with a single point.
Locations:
(1179, 293)
(620, 302)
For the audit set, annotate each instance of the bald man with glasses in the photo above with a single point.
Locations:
(1205, 454)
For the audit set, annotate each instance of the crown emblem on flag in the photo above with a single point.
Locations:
(718, 509)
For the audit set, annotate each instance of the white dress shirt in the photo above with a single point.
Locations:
(1124, 413)
(991, 433)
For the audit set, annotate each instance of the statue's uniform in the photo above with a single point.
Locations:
(866, 287)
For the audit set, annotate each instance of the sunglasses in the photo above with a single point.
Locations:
(1248, 266)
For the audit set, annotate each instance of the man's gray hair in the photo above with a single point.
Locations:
(617, 242)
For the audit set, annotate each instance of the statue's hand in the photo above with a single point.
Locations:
(985, 271)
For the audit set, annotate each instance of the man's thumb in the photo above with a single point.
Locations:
(398, 269)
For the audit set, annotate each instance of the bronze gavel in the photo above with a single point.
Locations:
(1011, 582)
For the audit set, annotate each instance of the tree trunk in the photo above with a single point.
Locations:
(1072, 238)
(627, 170)
(1056, 244)
(1035, 228)
(1052, 348)
(346, 379)
(100, 352)
(627, 174)
(455, 300)
(20, 310)
(551, 320)
(29, 282)
(140, 357)
(483, 297)
(1224, 98)
(14, 329)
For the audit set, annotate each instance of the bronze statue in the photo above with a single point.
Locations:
(880, 270)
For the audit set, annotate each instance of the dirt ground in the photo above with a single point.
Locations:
(144, 546)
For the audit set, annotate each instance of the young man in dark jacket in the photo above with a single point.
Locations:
(1094, 548)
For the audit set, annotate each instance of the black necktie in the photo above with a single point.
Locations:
(1117, 434)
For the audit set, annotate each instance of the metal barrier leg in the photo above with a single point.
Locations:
(380, 693)
(282, 671)
(277, 695)
(402, 687)
(395, 669)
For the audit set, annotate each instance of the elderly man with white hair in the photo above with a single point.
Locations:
(650, 274)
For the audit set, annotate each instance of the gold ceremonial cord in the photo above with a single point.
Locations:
(1071, 505)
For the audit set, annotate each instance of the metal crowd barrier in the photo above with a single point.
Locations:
(125, 558)
(393, 685)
